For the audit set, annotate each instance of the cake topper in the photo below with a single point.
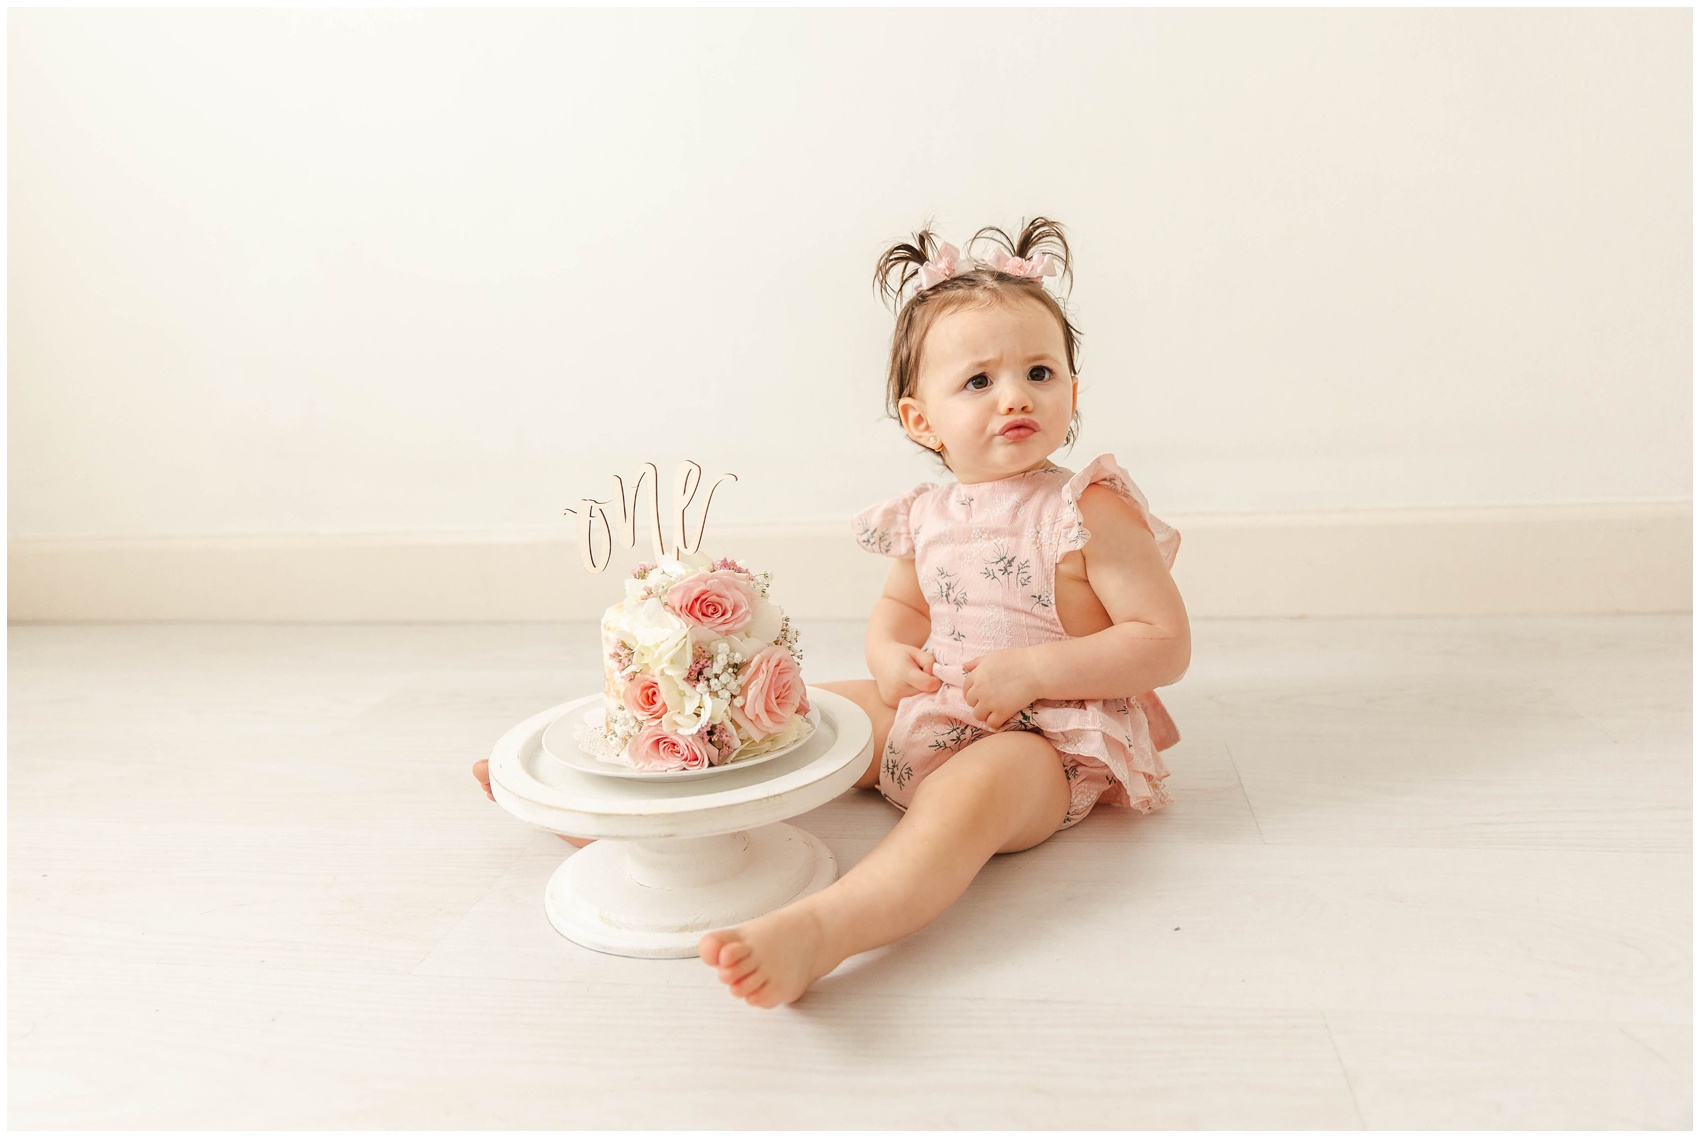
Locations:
(685, 483)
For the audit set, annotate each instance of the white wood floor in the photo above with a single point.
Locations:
(1419, 873)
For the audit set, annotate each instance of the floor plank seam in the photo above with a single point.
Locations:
(470, 909)
(1344, 1074)
(1649, 1048)
(1240, 782)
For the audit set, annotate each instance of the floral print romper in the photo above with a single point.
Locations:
(986, 555)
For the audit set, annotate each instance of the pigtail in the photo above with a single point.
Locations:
(1041, 235)
(905, 260)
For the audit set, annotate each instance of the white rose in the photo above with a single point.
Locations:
(764, 623)
(688, 709)
(791, 732)
(662, 640)
(711, 639)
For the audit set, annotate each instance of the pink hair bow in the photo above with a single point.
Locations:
(1033, 268)
(946, 263)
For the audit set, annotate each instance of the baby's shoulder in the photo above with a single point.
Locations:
(1101, 505)
(1112, 520)
(1103, 499)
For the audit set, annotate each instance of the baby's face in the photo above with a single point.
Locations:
(994, 388)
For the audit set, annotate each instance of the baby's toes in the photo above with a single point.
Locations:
(734, 952)
(750, 986)
(731, 974)
(713, 945)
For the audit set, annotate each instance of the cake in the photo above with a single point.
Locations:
(700, 669)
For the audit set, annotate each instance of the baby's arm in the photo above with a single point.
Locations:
(1150, 643)
(898, 627)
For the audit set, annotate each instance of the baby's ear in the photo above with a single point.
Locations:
(913, 417)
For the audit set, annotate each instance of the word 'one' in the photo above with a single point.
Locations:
(590, 512)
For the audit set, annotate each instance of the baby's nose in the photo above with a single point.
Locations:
(1015, 398)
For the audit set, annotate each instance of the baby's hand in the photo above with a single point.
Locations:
(999, 684)
(903, 670)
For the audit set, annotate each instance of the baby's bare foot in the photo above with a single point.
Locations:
(481, 772)
(773, 959)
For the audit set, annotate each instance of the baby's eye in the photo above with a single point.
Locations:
(970, 385)
(1040, 367)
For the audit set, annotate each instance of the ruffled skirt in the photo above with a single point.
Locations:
(1109, 747)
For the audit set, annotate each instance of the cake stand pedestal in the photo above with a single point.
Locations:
(674, 860)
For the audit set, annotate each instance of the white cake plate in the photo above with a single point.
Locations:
(675, 860)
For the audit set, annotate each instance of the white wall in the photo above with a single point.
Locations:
(310, 272)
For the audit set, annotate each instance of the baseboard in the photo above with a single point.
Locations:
(1607, 558)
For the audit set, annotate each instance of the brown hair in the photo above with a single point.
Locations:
(981, 286)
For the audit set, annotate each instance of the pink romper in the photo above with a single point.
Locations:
(985, 555)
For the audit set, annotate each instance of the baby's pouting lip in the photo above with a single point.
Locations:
(1018, 430)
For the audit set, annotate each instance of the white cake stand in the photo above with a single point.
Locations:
(676, 860)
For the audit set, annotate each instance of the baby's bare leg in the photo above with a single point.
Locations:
(1000, 794)
(866, 695)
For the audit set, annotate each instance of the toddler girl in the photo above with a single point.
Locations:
(1026, 605)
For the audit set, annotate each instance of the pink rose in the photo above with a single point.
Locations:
(722, 601)
(772, 692)
(643, 696)
(657, 749)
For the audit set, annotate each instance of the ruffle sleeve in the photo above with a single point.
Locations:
(884, 526)
(1071, 523)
